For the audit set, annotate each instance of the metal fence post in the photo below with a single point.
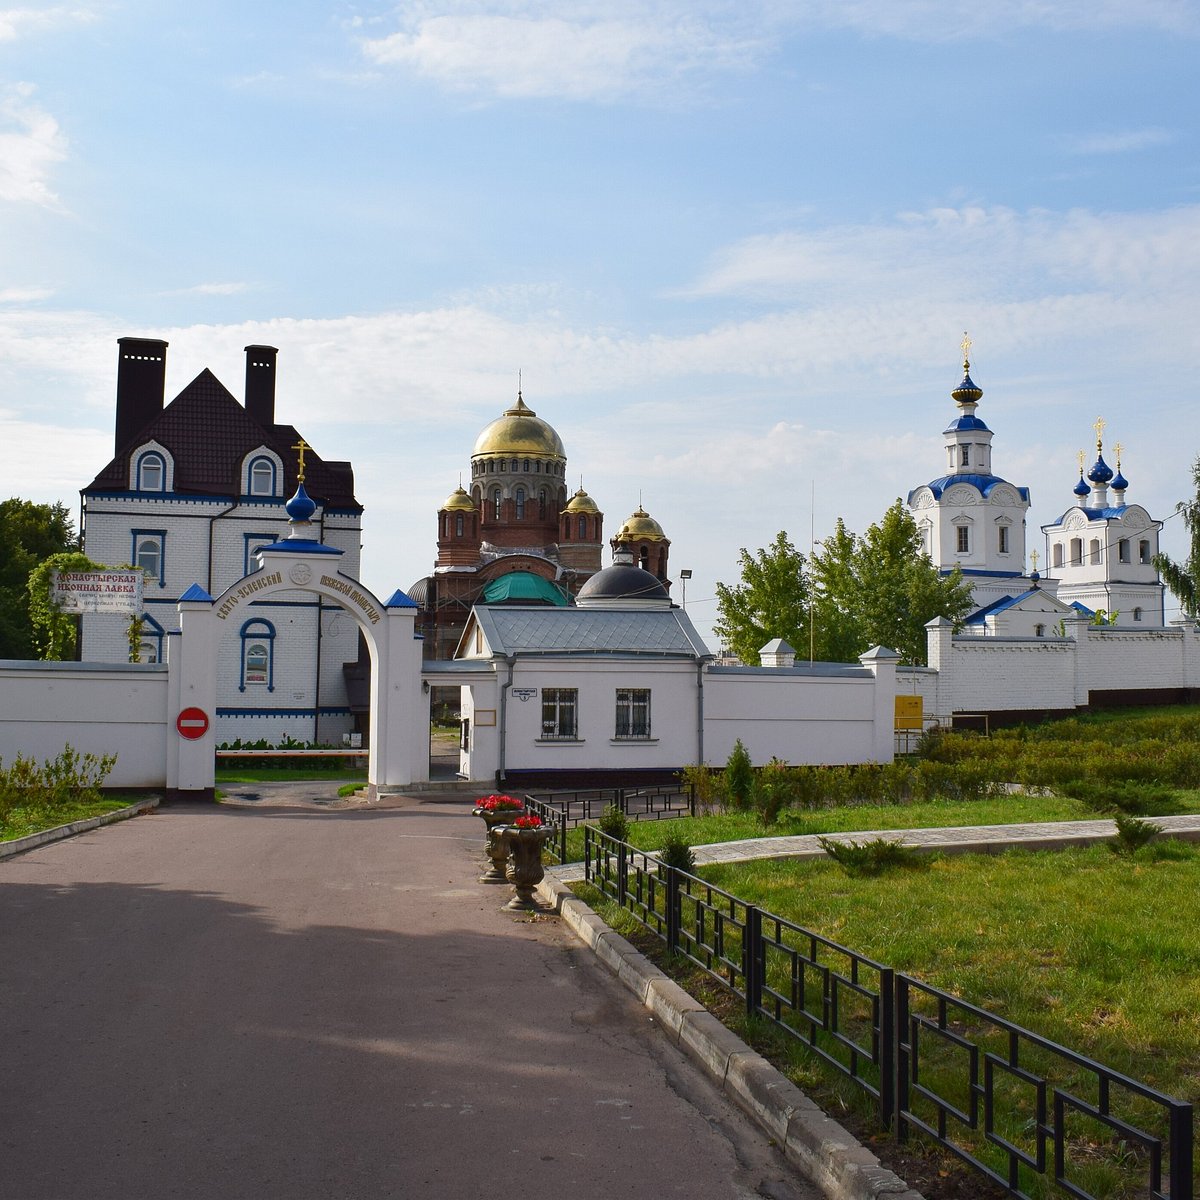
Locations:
(753, 959)
(887, 1047)
(1181, 1152)
(672, 910)
(900, 1028)
(621, 801)
(622, 872)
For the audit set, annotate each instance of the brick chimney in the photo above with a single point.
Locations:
(141, 381)
(260, 383)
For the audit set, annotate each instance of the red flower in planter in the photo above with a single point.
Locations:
(500, 803)
(528, 821)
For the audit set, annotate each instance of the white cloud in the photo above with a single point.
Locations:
(22, 22)
(572, 50)
(1124, 142)
(211, 289)
(24, 295)
(31, 144)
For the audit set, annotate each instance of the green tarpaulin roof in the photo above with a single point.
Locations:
(522, 587)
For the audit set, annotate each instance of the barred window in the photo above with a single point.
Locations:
(560, 707)
(633, 712)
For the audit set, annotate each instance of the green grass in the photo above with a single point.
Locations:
(22, 822)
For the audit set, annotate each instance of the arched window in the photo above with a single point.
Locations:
(1144, 551)
(151, 473)
(644, 557)
(501, 466)
(1137, 614)
(541, 504)
(149, 553)
(458, 524)
(258, 655)
(1094, 552)
(1058, 554)
(1123, 550)
(520, 505)
(583, 528)
(496, 504)
(262, 477)
(1039, 631)
(527, 464)
(1077, 552)
(1002, 546)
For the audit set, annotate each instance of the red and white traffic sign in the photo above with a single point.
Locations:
(192, 723)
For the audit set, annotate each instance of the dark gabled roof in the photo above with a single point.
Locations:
(209, 434)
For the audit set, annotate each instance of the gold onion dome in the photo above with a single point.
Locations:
(581, 502)
(641, 527)
(519, 431)
(458, 501)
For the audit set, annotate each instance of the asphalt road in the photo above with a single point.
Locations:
(296, 1000)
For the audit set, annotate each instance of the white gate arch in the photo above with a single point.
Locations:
(399, 730)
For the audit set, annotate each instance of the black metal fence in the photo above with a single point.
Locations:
(1017, 1107)
(567, 809)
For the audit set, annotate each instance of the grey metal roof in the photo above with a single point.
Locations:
(511, 630)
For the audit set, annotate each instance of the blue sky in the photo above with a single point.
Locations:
(732, 247)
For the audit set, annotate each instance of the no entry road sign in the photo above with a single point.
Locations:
(192, 723)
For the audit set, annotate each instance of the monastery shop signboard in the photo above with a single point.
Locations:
(97, 591)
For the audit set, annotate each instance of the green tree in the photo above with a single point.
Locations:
(29, 534)
(880, 590)
(1184, 578)
(770, 601)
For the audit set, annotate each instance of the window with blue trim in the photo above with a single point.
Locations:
(262, 477)
(254, 542)
(149, 553)
(150, 647)
(258, 655)
(151, 472)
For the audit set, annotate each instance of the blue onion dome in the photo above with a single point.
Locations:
(1081, 489)
(1035, 577)
(967, 392)
(1101, 472)
(301, 506)
(1119, 483)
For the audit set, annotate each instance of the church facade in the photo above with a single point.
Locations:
(196, 488)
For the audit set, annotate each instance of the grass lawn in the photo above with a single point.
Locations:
(22, 822)
(287, 774)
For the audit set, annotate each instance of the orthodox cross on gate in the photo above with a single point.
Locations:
(1099, 428)
(301, 446)
(965, 346)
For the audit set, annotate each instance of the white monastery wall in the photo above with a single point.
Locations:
(118, 708)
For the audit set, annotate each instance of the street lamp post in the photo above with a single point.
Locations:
(684, 576)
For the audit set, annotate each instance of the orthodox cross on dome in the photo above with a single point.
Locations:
(301, 446)
(965, 346)
(1033, 554)
(1117, 448)
(1081, 456)
(1099, 428)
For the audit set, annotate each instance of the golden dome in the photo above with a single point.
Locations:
(458, 501)
(641, 527)
(519, 431)
(581, 502)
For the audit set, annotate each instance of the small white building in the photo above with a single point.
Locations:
(621, 689)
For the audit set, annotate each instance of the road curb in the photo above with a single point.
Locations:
(59, 832)
(836, 1161)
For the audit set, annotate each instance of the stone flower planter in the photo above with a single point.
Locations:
(497, 852)
(525, 870)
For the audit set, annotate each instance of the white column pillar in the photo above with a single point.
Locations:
(193, 684)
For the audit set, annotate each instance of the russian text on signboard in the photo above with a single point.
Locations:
(97, 591)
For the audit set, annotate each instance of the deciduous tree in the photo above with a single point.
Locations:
(29, 534)
(1184, 578)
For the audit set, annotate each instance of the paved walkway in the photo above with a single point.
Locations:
(298, 998)
(959, 839)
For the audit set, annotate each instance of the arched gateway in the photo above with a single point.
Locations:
(399, 727)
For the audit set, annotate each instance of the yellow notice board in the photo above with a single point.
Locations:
(910, 712)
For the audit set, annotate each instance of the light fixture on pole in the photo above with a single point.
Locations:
(684, 576)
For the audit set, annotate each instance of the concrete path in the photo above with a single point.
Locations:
(294, 997)
(962, 839)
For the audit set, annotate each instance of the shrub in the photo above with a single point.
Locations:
(773, 790)
(1132, 834)
(705, 784)
(614, 822)
(873, 857)
(677, 853)
(739, 776)
(70, 778)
